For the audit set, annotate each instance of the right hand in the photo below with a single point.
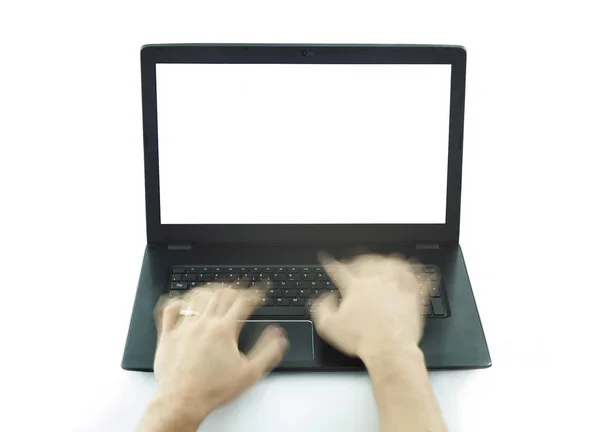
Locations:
(380, 310)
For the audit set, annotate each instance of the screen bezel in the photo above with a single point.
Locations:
(302, 54)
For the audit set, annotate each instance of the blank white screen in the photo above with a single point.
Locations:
(302, 143)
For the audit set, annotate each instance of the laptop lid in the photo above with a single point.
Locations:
(302, 143)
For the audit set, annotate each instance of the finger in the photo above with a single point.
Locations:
(228, 297)
(244, 305)
(213, 301)
(323, 315)
(359, 250)
(397, 256)
(171, 315)
(338, 272)
(396, 264)
(414, 264)
(366, 265)
(240, 284)
(198, 299)
(400, 260)
(267, 352)
(158, 312)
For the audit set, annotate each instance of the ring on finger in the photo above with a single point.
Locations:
(189, 312)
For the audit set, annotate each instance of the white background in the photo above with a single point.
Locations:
(72, 210)
(233, 132)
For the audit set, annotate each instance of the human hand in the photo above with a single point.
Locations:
(379, 313)
(197, 359)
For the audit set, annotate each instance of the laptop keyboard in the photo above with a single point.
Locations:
(291, 291)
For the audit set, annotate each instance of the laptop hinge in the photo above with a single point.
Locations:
(179, 246)
(427, 245)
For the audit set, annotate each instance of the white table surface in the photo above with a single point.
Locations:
(72, 217)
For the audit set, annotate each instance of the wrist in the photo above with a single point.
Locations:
(171, 412)
(393, 362)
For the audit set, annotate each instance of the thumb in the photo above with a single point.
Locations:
(267, 352)
(324, 310)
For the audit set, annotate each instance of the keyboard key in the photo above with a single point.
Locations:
(205, 270)
(189, 277)
(275, 293)
(280, 311)
(434, 290)
(317, 285)
(279, 270)
(303, 293)
(307, 269)
(293, 277)
(278, 276)
(176, 277)
(329, 285)
(426, 310)
(264, 276)
(302, 285)
(322, 277)
(297, 302)
(267, 301)
(285, 285)
(425, 302)
(194, 284)
(432, 276)
(291, 293)
(429, 269)
(179, 285)
(282, 302)
(203, 277)
(308, 276)
(291, 269)
(438, 307)
(319, 269)
(267, 270)
(192, 270)
(178, 270)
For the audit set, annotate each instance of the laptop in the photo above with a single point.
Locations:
(257, 157)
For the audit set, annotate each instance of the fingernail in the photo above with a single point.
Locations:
(282, 338)
(285, 343)
(277, 331)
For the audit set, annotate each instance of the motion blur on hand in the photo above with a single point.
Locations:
(380, 311)
(199, 367)
(197, 358)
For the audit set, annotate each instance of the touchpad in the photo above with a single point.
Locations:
(299, 333)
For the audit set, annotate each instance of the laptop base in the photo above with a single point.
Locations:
(453, 342)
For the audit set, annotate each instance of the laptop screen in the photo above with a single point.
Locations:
(303, 143)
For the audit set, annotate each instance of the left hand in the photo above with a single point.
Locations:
(197, 358)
